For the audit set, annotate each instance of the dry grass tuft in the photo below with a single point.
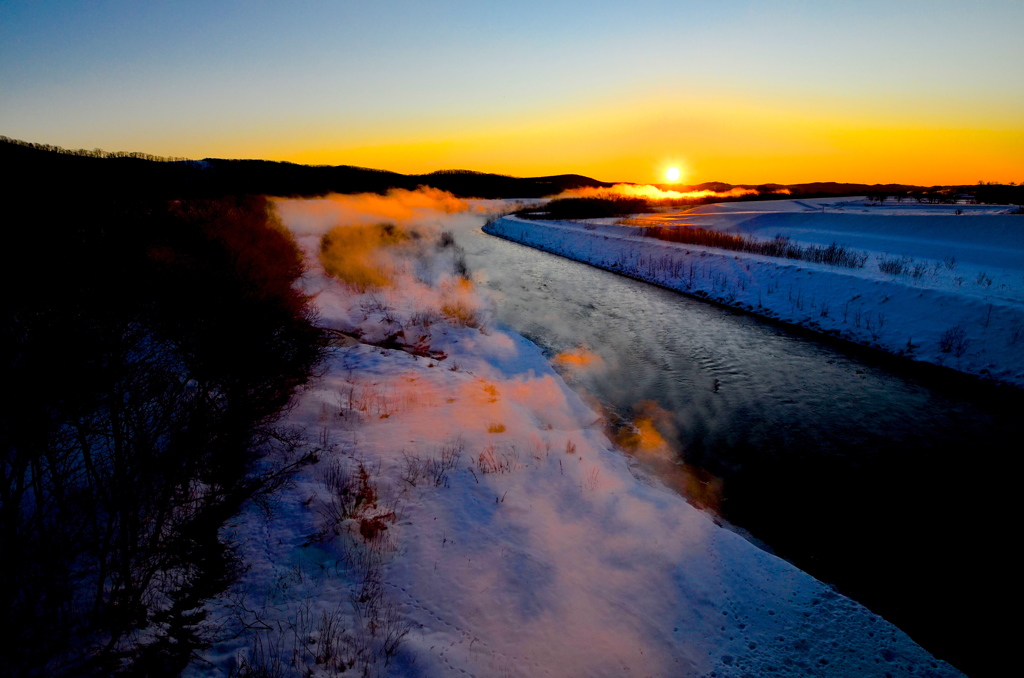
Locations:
(779, 246)
(457, 303)
(459, 313)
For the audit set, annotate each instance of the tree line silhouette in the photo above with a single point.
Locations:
(150, 344)
(144, 175)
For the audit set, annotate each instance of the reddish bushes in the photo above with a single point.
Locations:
(149, 349)
(834, 254)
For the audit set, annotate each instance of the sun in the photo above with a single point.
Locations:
(672, 174)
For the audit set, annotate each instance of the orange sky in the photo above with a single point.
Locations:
(736, 139)
(736, 91)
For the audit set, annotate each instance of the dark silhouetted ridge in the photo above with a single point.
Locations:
(141, 175)
(144, 175)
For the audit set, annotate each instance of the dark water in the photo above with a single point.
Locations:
(898, 485)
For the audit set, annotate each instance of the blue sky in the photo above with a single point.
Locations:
(735, 91)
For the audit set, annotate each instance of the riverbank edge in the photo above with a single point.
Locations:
(564, 238)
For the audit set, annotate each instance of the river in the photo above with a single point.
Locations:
(890, 481)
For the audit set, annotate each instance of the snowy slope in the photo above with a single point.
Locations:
(468, 517)
(959, 301)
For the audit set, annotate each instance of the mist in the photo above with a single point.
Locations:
(655, 194)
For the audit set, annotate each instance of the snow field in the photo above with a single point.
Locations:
(468, 516)
(962, 311)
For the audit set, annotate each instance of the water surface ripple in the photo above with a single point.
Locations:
(889, 481)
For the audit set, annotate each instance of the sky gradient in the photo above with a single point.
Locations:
(743, 92)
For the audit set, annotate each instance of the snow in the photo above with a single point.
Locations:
(496, 531)
(958, 303)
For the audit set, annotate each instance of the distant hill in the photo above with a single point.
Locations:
(817, 188)
(1001, 194)
(41, 166)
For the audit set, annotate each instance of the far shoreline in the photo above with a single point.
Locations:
(572, 237)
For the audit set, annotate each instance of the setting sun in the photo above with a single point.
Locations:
(727, 267)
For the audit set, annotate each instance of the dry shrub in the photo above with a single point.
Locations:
(894, 265)
(460, 313)
(954, 340)
(494, 460)
(414, 468)
(458, 303)
(435, 469)
(371, 526)
(349, 254)
(779, 246)
(351, 494)
(189, 338)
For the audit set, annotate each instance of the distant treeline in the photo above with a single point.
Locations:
(587, 208)
(94, 153)
(981, 193)
(139, 174)
(614, 206)
(145, 174)
(149, 346)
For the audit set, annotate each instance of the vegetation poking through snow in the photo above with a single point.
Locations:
(437, 469)
(303, 637)
(878, 305)
(780, 246)
(376, 560)
(954, 340)
(150, 350)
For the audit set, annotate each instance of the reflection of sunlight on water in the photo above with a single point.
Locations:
(402, 300)
(647, 439)
(827, 454)
(579, 357)
(643, 439)
(650, 437)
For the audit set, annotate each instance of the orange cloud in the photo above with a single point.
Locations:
(315, 216)
(350, 254)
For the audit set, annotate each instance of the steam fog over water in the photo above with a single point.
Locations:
(892, 483)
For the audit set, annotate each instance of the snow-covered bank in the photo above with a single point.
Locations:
(958, 302)
(469, 517)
